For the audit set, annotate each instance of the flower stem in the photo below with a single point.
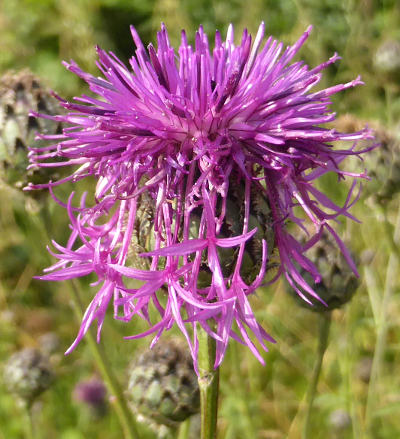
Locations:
(183, 430)
(393, 238)
(121, 407)
(209, 386)
(29, 428)
(323, 336)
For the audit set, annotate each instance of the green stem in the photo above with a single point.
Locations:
(323, 336)
(29, 427)
(209, 386)
(393, 238)
(183, 431)
(121, 407)
(391, 233)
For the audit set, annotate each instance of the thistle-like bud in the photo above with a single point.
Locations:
(163, 385)
(338, 283)
(382, 163)
(21, 93)
(92, 393)
(27, 374)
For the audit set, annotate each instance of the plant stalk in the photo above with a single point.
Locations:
(121, 407)
(124, 415)
(183, 430)
(29, 427)
(324, 325)
(393, 239)
(209, 385)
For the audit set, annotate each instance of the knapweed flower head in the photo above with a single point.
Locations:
(202, 157)
(93, 393)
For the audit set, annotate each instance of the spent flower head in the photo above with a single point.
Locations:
(202, 156)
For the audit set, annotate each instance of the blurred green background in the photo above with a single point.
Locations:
(264, 402)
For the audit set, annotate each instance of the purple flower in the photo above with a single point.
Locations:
(92, 392)
(185, 130)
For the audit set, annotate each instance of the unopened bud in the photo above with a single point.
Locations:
(338, 283)
(382, 163)
(163, 385)
(21, 93)
(27, 374)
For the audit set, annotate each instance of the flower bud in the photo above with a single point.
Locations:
(382, 163)
(338, 283)
(163, 385)
(21, 93)
(27, 374)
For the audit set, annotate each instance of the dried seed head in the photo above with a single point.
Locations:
(163, 385)
(21, 93)
(338, 283)
(27, 374)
